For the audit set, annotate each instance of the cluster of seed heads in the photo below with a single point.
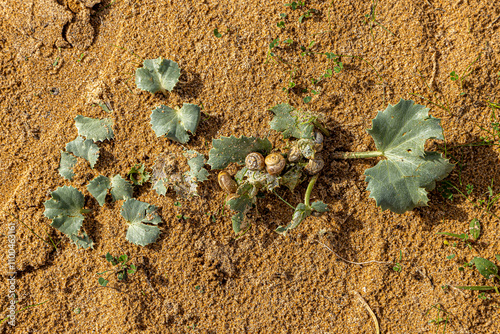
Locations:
(275, 163)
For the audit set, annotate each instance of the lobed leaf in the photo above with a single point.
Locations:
(65, 210)
(401, 182)
(289, 123)
(84, 149)
(241, 205)
(231, 149)
(98, 188)
(196, 161)
(66, 165)
(142, 218)
(82, 241)
(95, 129)
(157, 75)
(121, 189)
(175, 123)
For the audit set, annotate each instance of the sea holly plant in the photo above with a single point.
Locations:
(84, 148)
(121, 271)
(95, 129)
(402, 179)
(175, 123)
(138, 174)
(121, 189)
(489, 270)
(143, 220)
(157, 75)
(65, 209)
(66, 165)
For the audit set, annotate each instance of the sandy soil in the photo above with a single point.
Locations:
(58, 58)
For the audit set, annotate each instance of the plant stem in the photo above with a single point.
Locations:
(356, 155)
(321, 128)
(274, 192)
(39, 237)
(310, 187)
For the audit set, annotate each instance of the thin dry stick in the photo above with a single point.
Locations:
(367, 307)
(434, 70)
(358, 263)
(492, 23)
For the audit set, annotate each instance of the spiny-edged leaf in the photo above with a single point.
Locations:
(174, 123)
(241, 205)
(157, 75)
(231, 149)
(196, 161)
(82, 241)
(66, 165)
(286, 121)
(301, 212)
(475, 228)
(486, 268)
(121, 188)
(139, 214)
(400, 183)
(95, 129)
(138, 175)
(98, 188)
(84, 149)
(319, 206)
(65, 209)
(404, 128)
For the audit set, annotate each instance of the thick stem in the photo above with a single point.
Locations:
(309, 190)
(356, 155)
(321, 128)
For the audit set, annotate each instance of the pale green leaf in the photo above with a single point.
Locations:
(290, 123)
(241, 205)
(98, 188)
(231, 149)
(401, 181)
(142, 218)
(65, 209)
(82, 241)
(475, 228)
(301, 212)
(175, 123)
(84, 149)
(95, 129)
(121, 189)
(196, 161)
(157, 75)
(293, 177)
(66, 165)
(319, 206)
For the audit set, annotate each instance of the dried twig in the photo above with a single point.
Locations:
(367, 307)
(358, 263)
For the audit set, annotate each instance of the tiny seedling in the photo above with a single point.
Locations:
(307, 14)
(439, 319)
(489, 270)
(371, 19)
(397, 268)
(474, 232)
(295, 4)
(138, 175)
(217, 33)
(121, 271)
(454, 76)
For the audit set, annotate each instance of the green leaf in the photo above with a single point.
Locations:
(293, 177)
(287, 121)
(123, 258)
(138, 175)
(66, 165)
(98, 188)
(140, 216)
(241, 205)
(65, 209)
(157, 75)
(132, 269)
(301, 213)
(174, 123)
(84, 149)
(95, 129)
(477, 287)
(486, 268)
(111, 259)
(319, 206)
(497, 256)
(459, 236)
(121, 189)
(196, 161)
(82, 241)
(231, 149)
(475, 228)
(217, 33)
(103, 281)
(400, 183)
